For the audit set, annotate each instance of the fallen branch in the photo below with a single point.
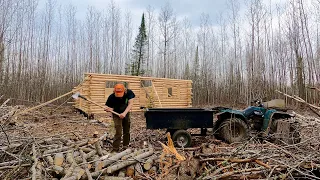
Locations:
(89, 177)
(228, 174)
(35, 162)
(298, 99)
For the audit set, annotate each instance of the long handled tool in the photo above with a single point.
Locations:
(77, 95)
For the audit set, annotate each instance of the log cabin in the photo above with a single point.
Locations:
(151, 92)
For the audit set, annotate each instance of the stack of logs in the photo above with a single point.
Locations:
(63, 159)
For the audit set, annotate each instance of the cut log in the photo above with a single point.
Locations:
(91, 153)
(39, 172)
(10, 146)
(51, 151)
(58, 170)
(153, 170)
(70, 178)
(122, 173)
(138, 169)
(86, 150)
(148, 164)
(69, 158)
(128, 162)
(116, 157)
(98, 164)
(135, 153)
(98, 148)
(10, 163)
(78, 159)
(85, 166)
(82, 143)
(78, 172)
(76, 153)
(69, 172)
(58, 159)
(129, 155)
(97, 173)
(35, 162)
(130, 171)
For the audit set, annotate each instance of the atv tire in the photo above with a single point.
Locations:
(233, 130)
(294, 134)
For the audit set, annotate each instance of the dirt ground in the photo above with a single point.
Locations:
(67, 121)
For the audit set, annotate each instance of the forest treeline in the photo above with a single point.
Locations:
(251, 50)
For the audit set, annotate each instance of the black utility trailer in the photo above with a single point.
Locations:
(178, 120)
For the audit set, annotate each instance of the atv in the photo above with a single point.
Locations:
(268, 120)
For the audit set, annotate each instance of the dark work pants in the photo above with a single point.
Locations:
(121, 126)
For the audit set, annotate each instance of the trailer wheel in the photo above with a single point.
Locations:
(182, 138)
(233, 130)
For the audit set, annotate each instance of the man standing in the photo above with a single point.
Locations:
(120, 101)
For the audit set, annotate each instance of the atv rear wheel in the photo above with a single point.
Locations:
(294, 132)
(233, 130)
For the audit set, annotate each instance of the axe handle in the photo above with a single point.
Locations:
(102, 106)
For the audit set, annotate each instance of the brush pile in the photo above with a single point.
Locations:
(64, 145)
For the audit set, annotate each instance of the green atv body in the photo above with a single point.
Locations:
(236, 125)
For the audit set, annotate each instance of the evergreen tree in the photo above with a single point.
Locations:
(187, 71)
(137, 65)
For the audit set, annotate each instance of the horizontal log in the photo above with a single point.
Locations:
(9, 163)
(86, 149)
(116, 157)
(127, 77)
(148, 164)
(115, 79)
(50, 160)
(58, 159)
(4, 148)
(135, 153)
(52, 151)
(128, 162)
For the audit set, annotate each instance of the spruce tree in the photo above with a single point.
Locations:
(137, 65)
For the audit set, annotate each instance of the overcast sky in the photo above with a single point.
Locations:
(182, 8)
(192, 9)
